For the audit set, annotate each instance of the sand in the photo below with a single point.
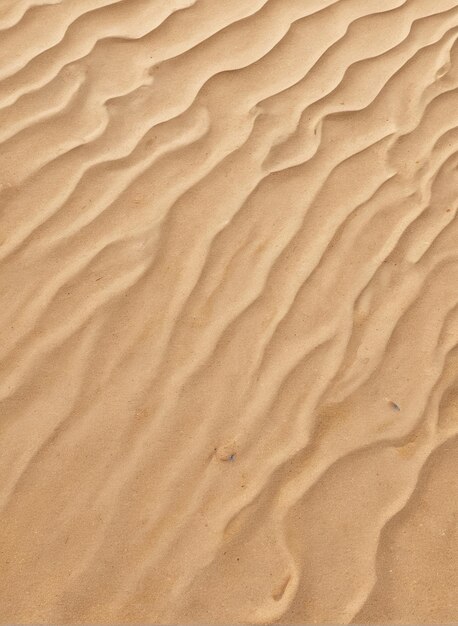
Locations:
(229, 321)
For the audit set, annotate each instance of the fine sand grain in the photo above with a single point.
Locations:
(229, 311)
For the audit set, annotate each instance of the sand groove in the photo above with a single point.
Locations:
(229, 279)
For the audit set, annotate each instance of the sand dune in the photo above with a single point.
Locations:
(229, 321)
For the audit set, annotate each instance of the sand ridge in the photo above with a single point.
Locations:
(229, 322)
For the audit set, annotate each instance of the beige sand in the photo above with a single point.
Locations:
(229, 288)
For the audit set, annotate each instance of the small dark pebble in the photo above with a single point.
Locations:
(395, 406)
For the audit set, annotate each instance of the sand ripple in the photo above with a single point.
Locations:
(229, 322)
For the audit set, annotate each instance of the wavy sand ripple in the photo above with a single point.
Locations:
(229, 278)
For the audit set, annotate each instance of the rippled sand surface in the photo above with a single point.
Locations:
(229, 321)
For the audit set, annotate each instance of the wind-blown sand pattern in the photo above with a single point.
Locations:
(229, 287)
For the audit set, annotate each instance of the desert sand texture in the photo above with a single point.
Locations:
(229, 321)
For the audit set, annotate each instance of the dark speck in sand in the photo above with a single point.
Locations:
(226, 453)
(395, 406)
